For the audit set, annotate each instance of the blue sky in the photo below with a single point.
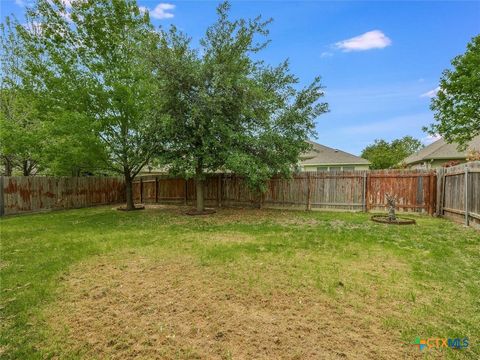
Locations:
(378, 60)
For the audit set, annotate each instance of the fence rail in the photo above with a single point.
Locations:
(348, 190)
(24, 194)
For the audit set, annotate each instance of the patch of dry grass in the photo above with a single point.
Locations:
(241, 284)
(140, 308)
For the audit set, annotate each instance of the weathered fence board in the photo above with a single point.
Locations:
(347, 190)
(335, 190)
(414, 190)
(22, 194)
(459, 197)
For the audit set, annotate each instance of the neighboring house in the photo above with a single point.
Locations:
(319, 158)
(438, 153)
(324, 158)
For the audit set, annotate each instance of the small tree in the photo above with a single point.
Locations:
(385, 155)
(229, 112)
(457, 104)
(88, 63)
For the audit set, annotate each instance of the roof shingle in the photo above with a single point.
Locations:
(321, 154)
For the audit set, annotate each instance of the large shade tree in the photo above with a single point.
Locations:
(36, 136)
(456, 105)
(227, 110)
(20, 124)
(88, 62)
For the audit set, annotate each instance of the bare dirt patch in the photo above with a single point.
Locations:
(231, 237)
(138, 308)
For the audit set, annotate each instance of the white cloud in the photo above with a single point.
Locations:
(370, 40)
(431, 93)
(161, 11)
(326, 54)
(427, 140)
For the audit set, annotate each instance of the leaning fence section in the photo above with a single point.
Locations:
(459, 193)
(26, 194)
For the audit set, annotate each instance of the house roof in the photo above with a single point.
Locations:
(321, 154)
(440, 149)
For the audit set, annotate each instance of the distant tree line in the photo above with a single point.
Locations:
(386, 155)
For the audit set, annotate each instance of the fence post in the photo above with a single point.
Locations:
(440, 190)
(141, 190)
(156, 189)
(186, 192)
(367, 189)
(466, 196)
(309, 205)
(2, 203)
(433, 189)
(219, 190)
(364, 192)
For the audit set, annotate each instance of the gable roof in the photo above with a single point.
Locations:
(321, 154)
(440, 149)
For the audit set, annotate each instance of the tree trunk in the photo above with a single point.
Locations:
(8, 165)
(129, 191)
(26, 168)
(200, 185)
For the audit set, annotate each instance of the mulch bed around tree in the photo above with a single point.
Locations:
(137, 207)
(195, 212)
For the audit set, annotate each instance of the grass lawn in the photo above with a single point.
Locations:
(268, 284)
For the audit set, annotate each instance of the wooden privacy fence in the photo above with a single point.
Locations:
(452, 192)
(349, 190)
(459, 192)
(23, 194)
